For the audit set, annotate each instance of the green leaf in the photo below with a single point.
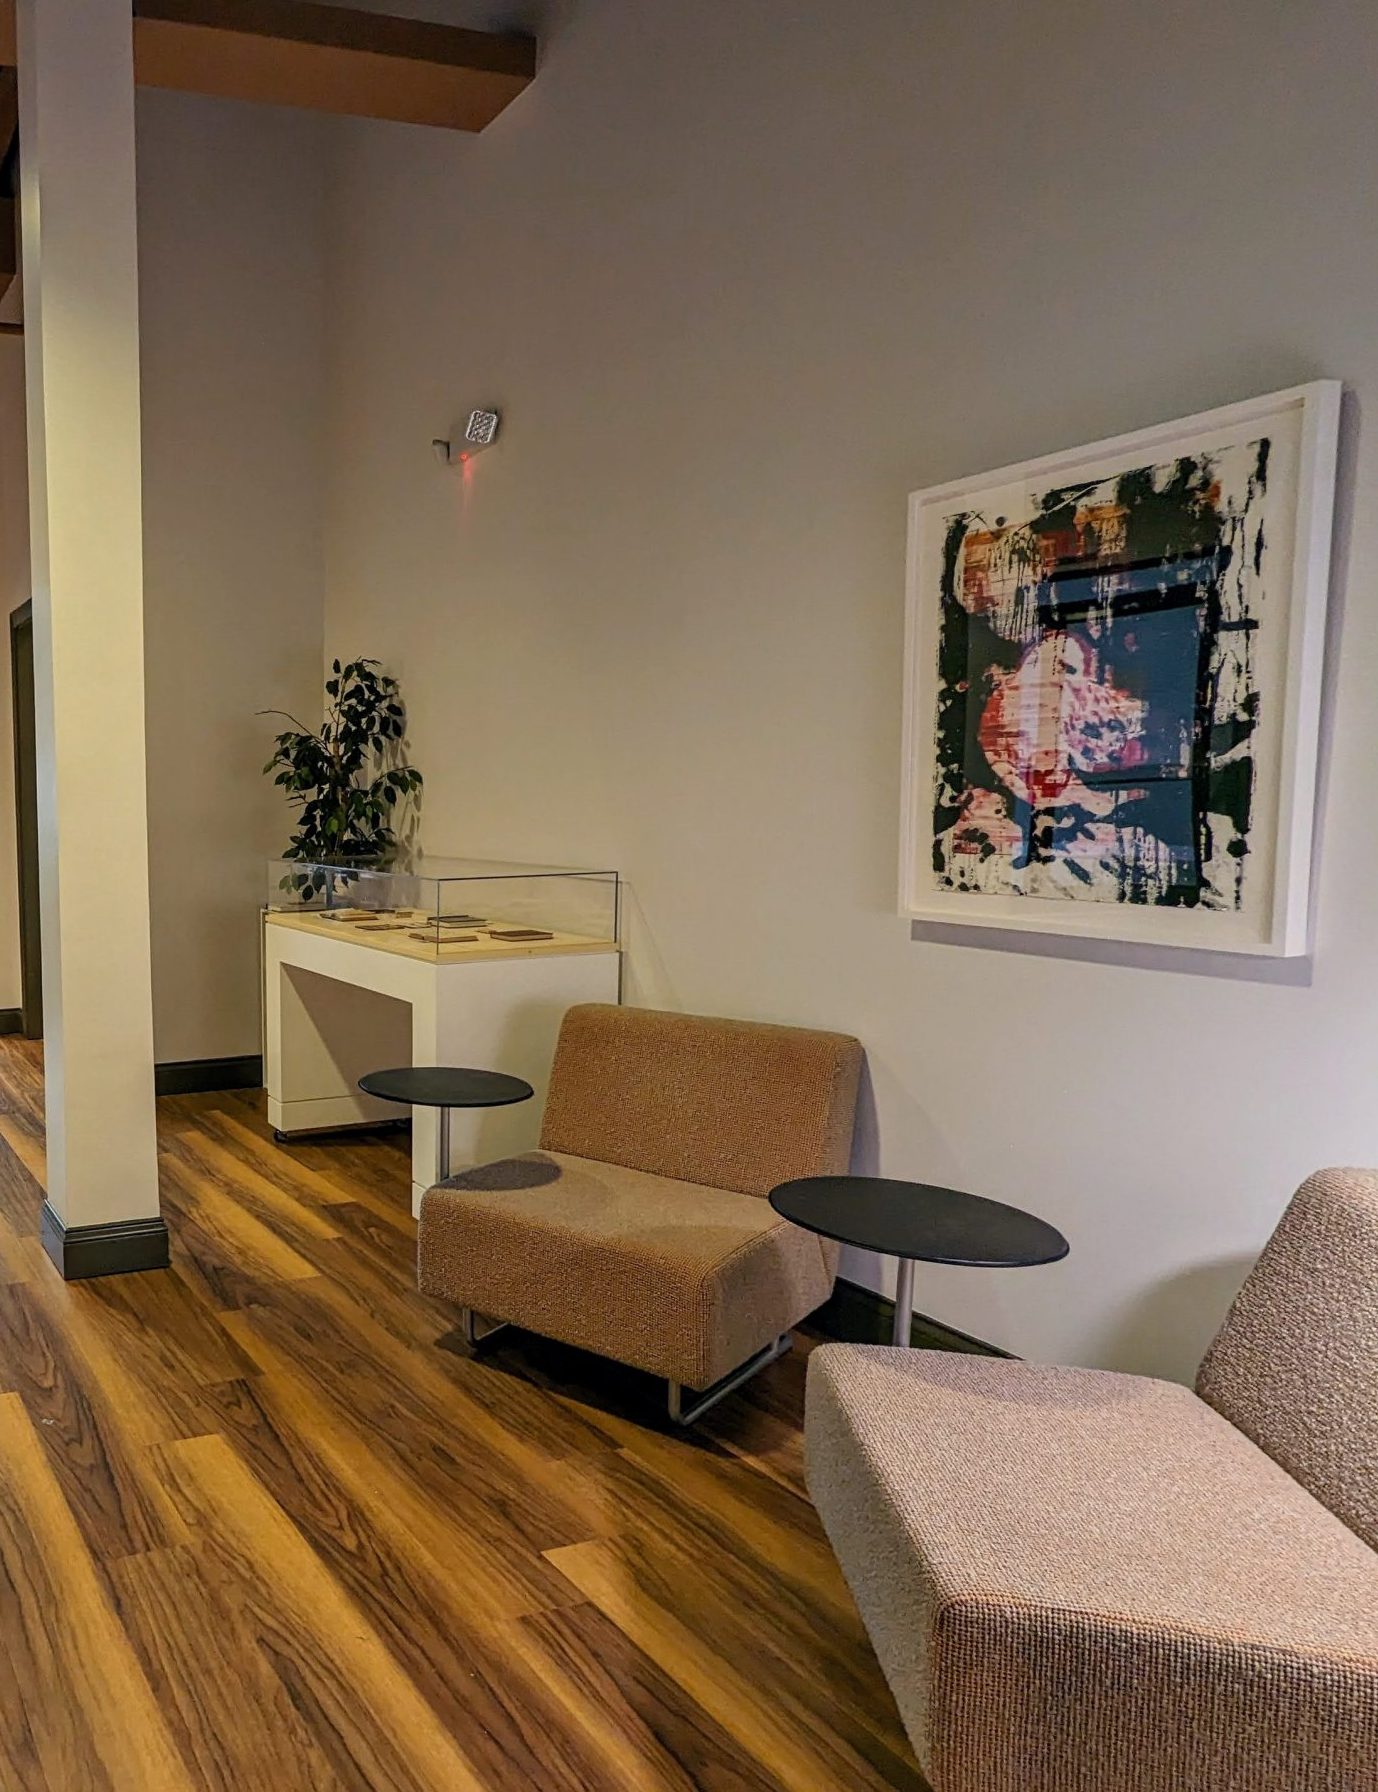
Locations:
(342, 780)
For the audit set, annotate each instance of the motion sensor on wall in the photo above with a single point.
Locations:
(480, 432)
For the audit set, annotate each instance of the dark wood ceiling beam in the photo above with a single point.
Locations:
(330, 59)
(325, 58)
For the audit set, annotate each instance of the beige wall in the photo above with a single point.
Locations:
(741, 277)
(231, 294)
(232, 227)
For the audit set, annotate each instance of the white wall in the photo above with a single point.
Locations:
(231, 225)
(741, 277)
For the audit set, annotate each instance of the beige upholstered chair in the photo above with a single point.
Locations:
(639, 1229)
(1083, 1582)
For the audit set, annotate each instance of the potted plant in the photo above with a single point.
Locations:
(348, 778)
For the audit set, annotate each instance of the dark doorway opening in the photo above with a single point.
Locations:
(26, 818)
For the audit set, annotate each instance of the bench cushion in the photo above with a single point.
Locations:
(1077, 1581)
(672, 1277)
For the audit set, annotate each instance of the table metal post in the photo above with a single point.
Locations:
(904, 1301)
(445, 1147)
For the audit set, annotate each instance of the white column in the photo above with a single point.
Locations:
(81, 307)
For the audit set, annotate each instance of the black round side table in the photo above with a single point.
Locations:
(909, 1220)
(441, 1086)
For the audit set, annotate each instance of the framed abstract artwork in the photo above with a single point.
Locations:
(1113, 676)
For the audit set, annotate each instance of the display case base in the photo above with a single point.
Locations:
(335, 1008)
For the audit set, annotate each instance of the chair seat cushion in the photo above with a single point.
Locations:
(672, 1277)
(1076, 1580)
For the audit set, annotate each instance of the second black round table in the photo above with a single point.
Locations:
(443, 1086)
(909, 1220)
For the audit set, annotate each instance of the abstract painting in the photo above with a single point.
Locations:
(1111, 655)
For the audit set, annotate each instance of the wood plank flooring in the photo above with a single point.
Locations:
(267, 1524)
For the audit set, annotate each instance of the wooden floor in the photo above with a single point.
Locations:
(267, 1525)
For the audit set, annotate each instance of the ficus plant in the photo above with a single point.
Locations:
(347, 778)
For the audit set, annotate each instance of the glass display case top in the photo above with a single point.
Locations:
(449, 908)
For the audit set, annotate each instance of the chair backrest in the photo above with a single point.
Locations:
(734, 1104)
(1295, 1365)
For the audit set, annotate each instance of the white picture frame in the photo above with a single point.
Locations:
(1033, 847)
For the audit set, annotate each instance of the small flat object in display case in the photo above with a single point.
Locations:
(461, 920)
(519, 933)
(447, 939)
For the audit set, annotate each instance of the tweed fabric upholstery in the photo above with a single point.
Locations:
(1084, 1582)
(1295, 1365)
(686, 1282)
(729, 1104)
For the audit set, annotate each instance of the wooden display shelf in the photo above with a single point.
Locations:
(443, 952)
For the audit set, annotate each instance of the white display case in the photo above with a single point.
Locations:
(440, 961)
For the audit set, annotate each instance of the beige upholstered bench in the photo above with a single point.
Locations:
(1085, 1582)
(639, 1229)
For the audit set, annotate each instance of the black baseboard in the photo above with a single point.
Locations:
(204, 1076)
(117, 1249)
(189, 1076)
(358, 1129)
(11, 1020)
(860, 1316)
